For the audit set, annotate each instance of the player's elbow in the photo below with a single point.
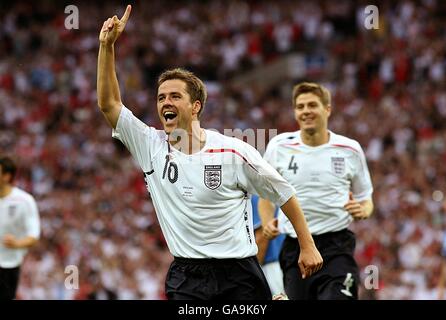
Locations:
(106, 105)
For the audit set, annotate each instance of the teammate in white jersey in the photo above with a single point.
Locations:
(330, 174)
(19, 228)
(199, 181)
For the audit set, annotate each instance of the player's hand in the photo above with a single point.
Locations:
(270, 230)
(310, 261)
(113, 27)
(355, 208)
(280, 296)
(9, 241)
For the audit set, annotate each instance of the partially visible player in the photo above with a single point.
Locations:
(442, 279)
(268, 254)
(19, 228)
(199, 181)
(333, 184)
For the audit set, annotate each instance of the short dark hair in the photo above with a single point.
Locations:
(194, 86)
(311, 87)
(8, 166)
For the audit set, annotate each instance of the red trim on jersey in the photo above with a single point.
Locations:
(233, 151)
(291, 144)
(344, 146)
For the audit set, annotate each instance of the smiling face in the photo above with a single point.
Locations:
(310, 113)
(175, 108)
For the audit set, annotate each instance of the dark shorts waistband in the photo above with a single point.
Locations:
(209, 260)
(324, 235)
(10, 269)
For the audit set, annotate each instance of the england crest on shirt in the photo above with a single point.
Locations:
(338, 165)
(212, 176)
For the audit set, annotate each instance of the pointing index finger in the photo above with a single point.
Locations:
(126, 15)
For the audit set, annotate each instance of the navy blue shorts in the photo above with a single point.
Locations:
(337, 280)
(216, 279)
(9, 279)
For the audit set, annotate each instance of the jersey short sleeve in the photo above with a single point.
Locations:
(259, 177)
(140, 139)
(362, 187)
(32, 221)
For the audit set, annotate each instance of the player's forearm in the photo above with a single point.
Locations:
(109, 96)
(262, 245)
(296, 216)
(26, 242)
(266, 211)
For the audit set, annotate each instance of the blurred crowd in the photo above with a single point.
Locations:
(388, 89)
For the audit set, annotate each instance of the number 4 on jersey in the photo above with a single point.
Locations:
(293, 165)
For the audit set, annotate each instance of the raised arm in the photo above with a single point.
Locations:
(109, 97)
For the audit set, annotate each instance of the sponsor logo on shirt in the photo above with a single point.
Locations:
(212, 176)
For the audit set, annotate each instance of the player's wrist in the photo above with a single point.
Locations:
(107, 44)
(307, 244)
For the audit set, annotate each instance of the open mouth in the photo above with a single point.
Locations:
(169, 116)
(308, 120)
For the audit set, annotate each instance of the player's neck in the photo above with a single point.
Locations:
(193, 142)
(5, 190)
(315, 138)
(197, 140)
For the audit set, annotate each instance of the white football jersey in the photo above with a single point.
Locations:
(201, 200)
(322, 177)
(19, 216)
